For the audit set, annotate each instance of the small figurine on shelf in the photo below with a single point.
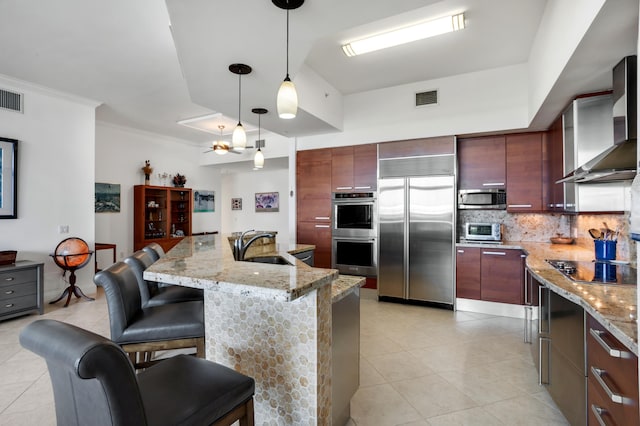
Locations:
(179, 180)
(147, 170)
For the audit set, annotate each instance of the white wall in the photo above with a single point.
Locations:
(55, 178)
(245, 184)
(120, 155)
(487, 101)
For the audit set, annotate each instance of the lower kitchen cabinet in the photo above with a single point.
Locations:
(319, 235)
(612, 394)
(468, 273)
(490, 274)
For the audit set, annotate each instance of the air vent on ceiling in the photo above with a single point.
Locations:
(10, 100)
(427, 98)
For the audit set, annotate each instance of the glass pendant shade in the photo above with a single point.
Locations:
(287, 100)
(258, 160)
(239, 138)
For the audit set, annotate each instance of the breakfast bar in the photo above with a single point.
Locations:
(272, 322)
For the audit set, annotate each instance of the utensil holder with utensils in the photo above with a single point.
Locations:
(605, 249)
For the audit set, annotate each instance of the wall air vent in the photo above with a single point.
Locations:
(10, 100)
(427, 98)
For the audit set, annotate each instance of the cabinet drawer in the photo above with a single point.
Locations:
(612, 365)
(17, 290)
(599, 407)
(18, 304)
(17, 277)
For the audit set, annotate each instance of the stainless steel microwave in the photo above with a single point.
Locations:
(492, 198)
(474, 231)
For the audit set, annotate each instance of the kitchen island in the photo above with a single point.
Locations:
(270, 322)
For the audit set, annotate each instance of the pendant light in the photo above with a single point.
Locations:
(258, 159)
(239, 137)
(220, 146)
(287, 100)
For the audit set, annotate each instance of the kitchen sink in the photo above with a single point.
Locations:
(273, 260)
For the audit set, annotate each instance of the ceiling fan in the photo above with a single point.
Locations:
(221, 147)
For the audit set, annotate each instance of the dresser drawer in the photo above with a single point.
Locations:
(613, 370)
(17, 277)
(17, 290)
(16, 304)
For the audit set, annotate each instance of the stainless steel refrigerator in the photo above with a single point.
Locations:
(417, 229)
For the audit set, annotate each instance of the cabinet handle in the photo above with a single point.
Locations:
(495, 253)
(322, 218)
(615, 397)
(9, 279)
(343, 187)
(362, 187)
(9, 305)
(615, 353)
(322, 226)
(560, 205)
(526, 287)
(519, 206)
(460, 251)
(9, 292)
(305, 258)
(527, 315)
(493, 184)
(598, 412)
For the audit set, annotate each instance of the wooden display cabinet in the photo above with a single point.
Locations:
(161, 215)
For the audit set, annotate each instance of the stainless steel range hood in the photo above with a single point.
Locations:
(618, 162)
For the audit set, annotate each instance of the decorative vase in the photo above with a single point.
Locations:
(147, 181)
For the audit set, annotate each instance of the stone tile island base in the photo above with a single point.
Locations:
(284, 345)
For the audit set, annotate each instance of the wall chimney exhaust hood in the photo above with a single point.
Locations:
(618, 162)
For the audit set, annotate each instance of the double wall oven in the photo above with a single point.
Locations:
(354, 233)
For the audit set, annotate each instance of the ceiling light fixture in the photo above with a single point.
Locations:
(287, 100)
(258, 159)
(239, 137)
(220, 146)
(405, 35)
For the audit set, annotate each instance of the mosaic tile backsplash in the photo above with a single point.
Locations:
(541, 227)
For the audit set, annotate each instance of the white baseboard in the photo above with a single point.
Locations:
(494, 308)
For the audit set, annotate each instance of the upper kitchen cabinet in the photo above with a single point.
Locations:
(354, 168)
(552, 169)
(481, 162)
(313, 180)
(524, 172)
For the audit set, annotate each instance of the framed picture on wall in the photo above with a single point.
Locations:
(203, 201)
(107, 198)
(8, 178)
(267, 202)
(236, 204)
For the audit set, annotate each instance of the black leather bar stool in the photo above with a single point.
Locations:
(143, 330)
(155, 250)
(153, 295)
(95, 384)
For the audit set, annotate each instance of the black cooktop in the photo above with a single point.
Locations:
(595, 271)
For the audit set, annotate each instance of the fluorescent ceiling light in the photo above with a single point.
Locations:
(405, 35)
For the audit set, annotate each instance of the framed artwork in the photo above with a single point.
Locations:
(107, 198)
(8, 178)
(236, 204)
(267, 202)
(203, 201)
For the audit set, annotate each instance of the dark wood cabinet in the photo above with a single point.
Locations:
(354, 168)
(468, 273)
(524, 172)
(612, 369)
(481, 162)
(502, 276)
(313, 180)
(161, 215)
(553, 198)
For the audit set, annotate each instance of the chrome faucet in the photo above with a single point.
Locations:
(240, 247)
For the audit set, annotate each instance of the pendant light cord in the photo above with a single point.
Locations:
(287, 43)
(239, 96)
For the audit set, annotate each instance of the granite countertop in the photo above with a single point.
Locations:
(207, 262)
(615, 307)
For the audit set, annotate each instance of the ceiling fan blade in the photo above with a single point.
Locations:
(209, 150)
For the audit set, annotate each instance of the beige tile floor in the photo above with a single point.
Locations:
(419, 366)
